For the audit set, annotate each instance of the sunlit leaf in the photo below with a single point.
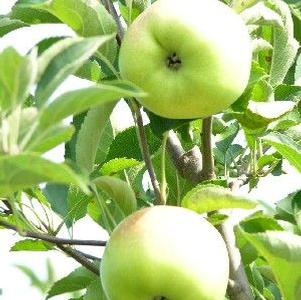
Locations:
(286, 146)
(28, 170)
(206, 198)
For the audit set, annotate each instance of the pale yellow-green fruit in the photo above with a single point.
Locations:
(192, 57)
(165, 251)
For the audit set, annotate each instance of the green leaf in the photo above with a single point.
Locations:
(261, 45)
(34, 279)
(24, 11)
(56, 195)
(118, 164)
(63, 59)
(67, 201)
(86, 18)
(262, 92)
(27, 117)
(247, 251)
(240, 5)
(285, 45)
(224, 142)
(296, 13)
(79, 279)
(275, 13)
(70, 146)
(286, 146)
(95, 212)
(17, 74)
(177, 186)
(28, 170)
(298, 71)
(260, 14)
(217, 219)
(131, 9)
(31, 245)
(282, 250)
(159, 125)
(47, 140)
(75, 102)
(90, 70)
(206, 198)
(105, 142)
(296, 205)
(257, 279)
(266, 112)
(258, 73)
(77, 203)
(95, 291)
(260, 223)
(89, 136)
(7, 25)
(232, 153)
(287, 92)
(119, 191)
(284, 208)
(129, 138)
(266, 160)
(260, 114)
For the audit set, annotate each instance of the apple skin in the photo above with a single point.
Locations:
(165, 251)
(214, 48)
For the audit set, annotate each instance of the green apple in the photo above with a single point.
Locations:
(165, 251)
(192, 57)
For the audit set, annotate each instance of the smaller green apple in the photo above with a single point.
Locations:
(165, 251)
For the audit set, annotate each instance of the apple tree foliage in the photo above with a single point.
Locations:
(102, 176)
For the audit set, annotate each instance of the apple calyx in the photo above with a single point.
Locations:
(174, 62)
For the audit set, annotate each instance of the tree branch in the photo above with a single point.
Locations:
(240, 290)
(75, 254)
(87, 255)
(207, 172)
(112, 10)
(137, 115)
(238, 286)
(188, 164)
(145, 153)
(202, 169)
(52, 239)
(80, 258)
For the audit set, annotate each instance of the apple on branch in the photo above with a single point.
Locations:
(165, 252)
(192, 57)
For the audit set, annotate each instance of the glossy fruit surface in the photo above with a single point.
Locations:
(165, 251)
(192, 57)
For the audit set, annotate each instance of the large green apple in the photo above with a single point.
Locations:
(165, 251)
(192, 57)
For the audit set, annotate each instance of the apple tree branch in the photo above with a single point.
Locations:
(62, 244)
